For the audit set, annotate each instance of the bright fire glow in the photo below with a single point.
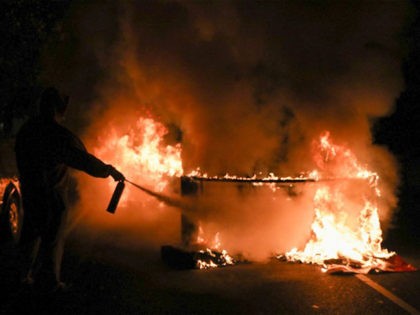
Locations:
(213, 252)
(332, 235)
(140, 153)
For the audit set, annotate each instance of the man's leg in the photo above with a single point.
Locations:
(51, 251)
(28, 260)
(28, 249)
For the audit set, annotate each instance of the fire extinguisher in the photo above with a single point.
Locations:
(113, 203)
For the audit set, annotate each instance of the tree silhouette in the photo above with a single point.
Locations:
(25, 27)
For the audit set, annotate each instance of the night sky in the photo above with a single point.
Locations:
(273, 74)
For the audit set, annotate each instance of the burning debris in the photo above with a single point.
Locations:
(339, 241)
(334, 243)
(179, 258)
(346, 235)
(392, 263)
(196, 251)
(271, 178)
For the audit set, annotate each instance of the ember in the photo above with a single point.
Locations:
(180, 258)
(212, 256)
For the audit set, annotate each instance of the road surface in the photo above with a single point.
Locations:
(118, 280)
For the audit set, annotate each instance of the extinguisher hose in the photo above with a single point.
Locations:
(170, 201)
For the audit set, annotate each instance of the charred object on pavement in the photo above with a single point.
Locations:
(178, 258)
(190, 255)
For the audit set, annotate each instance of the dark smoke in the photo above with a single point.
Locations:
(248, 85)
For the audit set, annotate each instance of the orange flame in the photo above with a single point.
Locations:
(214, 245)
(141, 155)
(333, 236)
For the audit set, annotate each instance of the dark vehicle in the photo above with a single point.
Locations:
(11, 211)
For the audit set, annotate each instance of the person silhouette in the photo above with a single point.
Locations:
(44, 151)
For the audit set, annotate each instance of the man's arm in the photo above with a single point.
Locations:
(75, 155)
(84, 161)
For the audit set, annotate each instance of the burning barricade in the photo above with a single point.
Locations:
(345, 234)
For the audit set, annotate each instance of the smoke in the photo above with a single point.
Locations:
(245, 86)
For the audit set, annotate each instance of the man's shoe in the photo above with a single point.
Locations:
(62, 287)
(27, 284)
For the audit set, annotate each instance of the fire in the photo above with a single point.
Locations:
(333, 234)
(141, 153)
(338, 161)
(254, 179)
(212, 256)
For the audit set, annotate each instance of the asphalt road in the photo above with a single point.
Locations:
(117, 280)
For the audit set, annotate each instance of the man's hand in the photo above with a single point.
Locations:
(116, 174)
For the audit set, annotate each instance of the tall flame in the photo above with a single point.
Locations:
(333, 234)
(140, 153)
